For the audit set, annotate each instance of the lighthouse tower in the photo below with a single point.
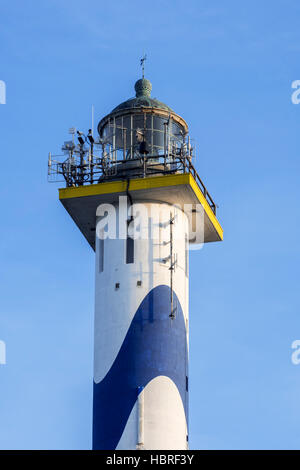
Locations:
(135, 195)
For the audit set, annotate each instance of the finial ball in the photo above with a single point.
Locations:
(143, 87)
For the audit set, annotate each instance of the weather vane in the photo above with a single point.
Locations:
(143, 64)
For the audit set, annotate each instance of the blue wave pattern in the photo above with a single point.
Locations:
(154, 345)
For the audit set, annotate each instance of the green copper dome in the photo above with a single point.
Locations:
(142, 98)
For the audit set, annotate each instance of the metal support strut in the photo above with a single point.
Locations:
(172, 266)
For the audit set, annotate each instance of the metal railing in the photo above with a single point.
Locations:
(77, 173)
(81, 165)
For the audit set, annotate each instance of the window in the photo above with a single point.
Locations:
(129, 248)
(101, 254)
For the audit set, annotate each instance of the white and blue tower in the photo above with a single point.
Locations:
(138, 200)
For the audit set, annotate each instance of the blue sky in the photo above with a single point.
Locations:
(227, 68)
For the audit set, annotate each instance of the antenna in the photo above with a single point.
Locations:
(93, 109)
(143, 64)
(49, 163)
(72, 131)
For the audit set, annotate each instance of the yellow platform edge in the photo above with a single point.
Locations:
(144, 183)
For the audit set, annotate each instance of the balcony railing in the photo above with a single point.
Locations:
(96, 164)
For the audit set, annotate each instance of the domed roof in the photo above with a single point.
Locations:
(142, 98)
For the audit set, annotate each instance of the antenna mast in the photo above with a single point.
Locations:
(143, 64)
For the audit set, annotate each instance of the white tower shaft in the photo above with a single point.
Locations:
(141, 333)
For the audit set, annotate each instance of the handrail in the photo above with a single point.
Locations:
(78, 173)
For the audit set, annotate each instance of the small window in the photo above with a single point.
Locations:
(129, 248)
(101, 254)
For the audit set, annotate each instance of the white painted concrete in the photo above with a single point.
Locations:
(115, 309)
(163, 404)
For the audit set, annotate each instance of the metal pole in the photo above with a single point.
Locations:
(81, 164)
(165, 145)
(169, 136)
(49, 163)
(131, 130)
(152, 134)
(92, 162)
(171, 265)
(114, 140)
(141, 420)
(92, 120)
(124, 143)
